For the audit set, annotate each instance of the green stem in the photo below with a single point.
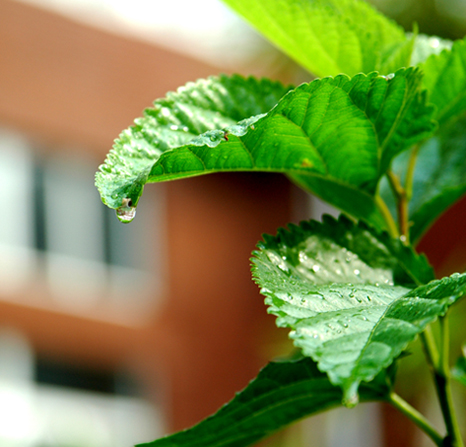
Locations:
(410, 172)
(402, 205)
(430, 348)
(383, 208)
(443, 386)
(439, 364)
(414, 415)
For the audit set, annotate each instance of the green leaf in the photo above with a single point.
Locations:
(282, 393)
(445, 79)
(336, 132)
(329, 37)
(439, 177)
(348, 129)
(440, 172)
(196, 108)
(348, 295)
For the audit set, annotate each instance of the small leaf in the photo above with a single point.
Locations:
(282, 393)
(439, 177)
(347, 294)
(445, 79)
(329, 37)
(205, 106)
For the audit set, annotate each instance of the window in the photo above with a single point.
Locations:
(61, 248)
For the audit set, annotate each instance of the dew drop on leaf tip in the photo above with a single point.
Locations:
(126, 212)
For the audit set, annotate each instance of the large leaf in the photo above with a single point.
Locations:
(445, 79)
(282, 393)
(334, 134)
(348, 295)
(208, 104)
(329, 37)
(439, 177)
(342, 128)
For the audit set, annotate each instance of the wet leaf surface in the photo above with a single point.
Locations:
(353, 298)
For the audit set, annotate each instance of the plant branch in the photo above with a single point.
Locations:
(383, 208)
(430, 349)
(415, 416)
(410, 172)
(443, 387)
(439, 365)
(402, 205)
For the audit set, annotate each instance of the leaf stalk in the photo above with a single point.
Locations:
(419, 419)
(402, 205)
(439, 365)
(410, 172)
(443, 387)
(391, 225)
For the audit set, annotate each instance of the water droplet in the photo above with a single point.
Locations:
(357, 272)
(302, 256)
(345, 324)
(303, 300)
(368, 298)
(174, 127)
(403, 238)
(315, 268)
(283, 267)
(338, 271)
(389, 76)
(126, 212)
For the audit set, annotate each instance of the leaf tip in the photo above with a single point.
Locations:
(350, 395)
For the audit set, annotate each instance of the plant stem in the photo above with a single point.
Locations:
(402, 205)
(383, 208)
(419, 419)
(430, 348)
(439, 365)
(410, 172)
(443, 386)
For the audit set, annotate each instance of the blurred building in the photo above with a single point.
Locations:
(111, 334)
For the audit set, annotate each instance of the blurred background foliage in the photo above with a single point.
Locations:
(444, 18)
